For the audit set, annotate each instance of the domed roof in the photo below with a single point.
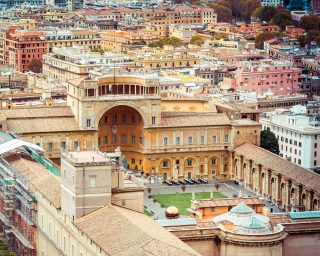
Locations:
(172, 210)
(241, 208)
(254, 223)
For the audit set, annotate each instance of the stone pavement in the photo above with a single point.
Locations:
(227, 188)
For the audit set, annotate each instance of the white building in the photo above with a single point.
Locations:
(298, 137)
(274, 3)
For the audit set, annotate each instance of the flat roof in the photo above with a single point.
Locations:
(305, 215)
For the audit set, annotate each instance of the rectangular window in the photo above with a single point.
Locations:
(50, 146)
(153, 120)
(123, 139)
(115, 119)
(114, 139)
(213, 172)
(105, 119)
(133, 139)
(88, 122)
(93, 181)
(75, 145)
(315, 145)
(202, 140)
(315, 153)
(124, 119)
(105, 139)
(165, 164)
(226, 138)
(189, 162)
(165, 141)
(212, 209)
(315, 162)
(133, 161)
(214, 139)
(299, 161)
(213, 161)
(63, 145)
(190, 140)
(177, 140)
(140, 140)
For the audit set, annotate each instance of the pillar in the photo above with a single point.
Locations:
(279, 188)
(269, 194)
(300, 195)
(181, 172)
(311, 196)
(260, 179)
(289, 195)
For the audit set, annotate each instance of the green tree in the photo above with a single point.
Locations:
(261, 38)
(35, 66)
(224, 14)
(250, 6)
(196, 39)
(269, 141)
(174, 41)
(282, 18)
(264, 13)
(310, 22)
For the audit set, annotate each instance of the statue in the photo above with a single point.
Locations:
(117, 150)
(124, 162)
(193, 196)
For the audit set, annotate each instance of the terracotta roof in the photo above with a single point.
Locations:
(122, 232)
(228, 202)
(45, 125)
(300, 175)
(174, 119)
(50, 188)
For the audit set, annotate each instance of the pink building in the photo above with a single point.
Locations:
(280, 78)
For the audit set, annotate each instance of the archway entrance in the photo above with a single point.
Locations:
(123, 126)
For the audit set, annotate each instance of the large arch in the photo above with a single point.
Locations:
(123, 126)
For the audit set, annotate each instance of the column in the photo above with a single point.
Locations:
(279, 188)
(206, 166)
(250, 175)
(174, 175)
(289, 195)
(269, 185)
(181, 172)
(241, 168)
(300, 195)
(311, 195)
(260, 179)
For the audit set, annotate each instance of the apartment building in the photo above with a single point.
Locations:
(298, 136)
(279, 78)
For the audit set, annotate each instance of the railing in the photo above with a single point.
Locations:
(49, 166)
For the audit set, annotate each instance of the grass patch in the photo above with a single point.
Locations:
(146, 212)
(182, 201)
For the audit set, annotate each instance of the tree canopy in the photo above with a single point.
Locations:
(35, 66)
(196, 39)
(174, 41)
(264, 13)
(261, 38)
(269, 141)
(310, 22)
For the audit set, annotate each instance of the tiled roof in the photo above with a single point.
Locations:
(192, 119)
(309, 179)
(36, 125)
(122, 232)
(228, 202)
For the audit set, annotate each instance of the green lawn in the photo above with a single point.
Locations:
(146, 212)
(182, 201)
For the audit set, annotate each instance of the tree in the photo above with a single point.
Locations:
(269, 141)
(261, 38)
(282, 18)
(310, 22)
(183, 188)
(217, 186)
(174, 41)
(35, 66)
(196, 39)
(250, 6)
(264, 13)
(224, 14)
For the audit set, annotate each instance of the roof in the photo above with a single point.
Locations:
(177, 222)
(119, 231)
(228, 202)
(241, 208)
(309, 179)
(174, 119)
(304, 215)
(254, 223)
(45, 125)
(15, 143)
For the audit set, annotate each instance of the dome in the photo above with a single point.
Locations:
(241, 208)
(172, 212)
(254, 223)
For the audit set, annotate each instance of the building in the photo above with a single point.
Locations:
(279, 78)
(298, 138)
(274, 3)
(315, 6)
(21, 47)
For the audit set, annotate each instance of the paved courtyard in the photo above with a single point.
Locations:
(228, 188)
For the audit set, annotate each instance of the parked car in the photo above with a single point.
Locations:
(168, 182)
(176, 182)
(183, 182)
(203, 181)
(189, 181)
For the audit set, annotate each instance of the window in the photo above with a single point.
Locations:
(165, 141)
(153, 120)
(189, 162)
(105, 139)
(190, 140)
(114, 139)
(177, 140)
(300, 144)
(124, 119)
(213, 172)
(315, 162)
(123, 139)
(214, 139)
(133, 139)
(140, 140)
(133, 160)
(88, 122)
(212, 209)
(93, 180)
(315, 145)
(165, 164)
(105, 119)
(201, 139)
(75, 145)
(214, 161)
(63, 145)
(115, 119)
(50, 146)
(226, 138)
(299, 161)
